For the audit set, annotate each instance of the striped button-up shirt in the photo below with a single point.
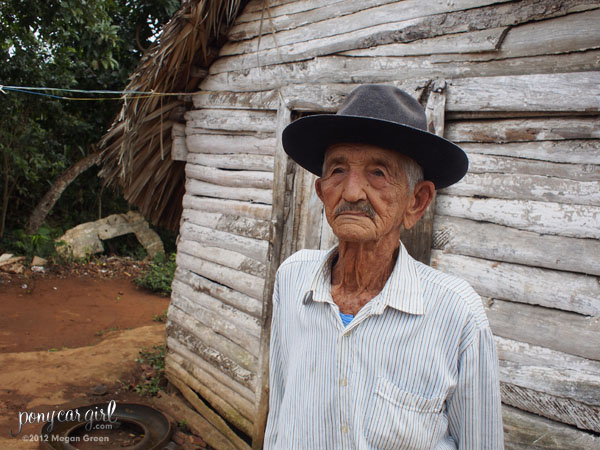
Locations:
(415, 369)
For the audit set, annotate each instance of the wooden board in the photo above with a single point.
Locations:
(522, 284)
(246, 329)
(252, 195)
(486, 163)
(327, 69)
(224, 257)
(525, 130)
(225, 144)
(524, 431)
(530, 381)
(541, 217)
(238, 161)
(227, 207)
(232, 120)
(227, 296)
(553, 329)
(543, 92)
(526, 187)
(468, 42)
(500, 243)
(217, 350)
(252, 248)
(227, 411)
(242, 226)
(239, 178)
(239, 281)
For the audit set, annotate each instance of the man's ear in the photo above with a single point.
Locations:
(419, 201)
(318, 188)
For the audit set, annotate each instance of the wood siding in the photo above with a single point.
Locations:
(523, 227)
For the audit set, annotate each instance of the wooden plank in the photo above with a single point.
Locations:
(290, 16)
(242, 226)
(252, 248)
(179, 411)
(238, 178)
(484, 163)
(536, 92)
(229, 358)
(238, 161)
(201, 188)
(541, 217)
(500, 243)
(226, 295)
(224, 257)
(227, 207)
(572, 396)
(223, 408)
(553, 329)
(522, 284)
(326, 69)
(380, 25)
(242, 282)
(254, 11)
(321, 98)
(417, 240)
(231, 120)
(525, 130)
(567, 411)
(467, 42)
(524, 354)
(236, 100)
(526, 187)
(281, 202)
(224, 144)
(524, 431)
(240, 327)
(209, 414)
(209, 375)
(574, 32)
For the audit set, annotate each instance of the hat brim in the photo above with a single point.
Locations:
(306, 140)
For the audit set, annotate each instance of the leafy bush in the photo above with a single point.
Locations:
(40, 244)
(159, 276)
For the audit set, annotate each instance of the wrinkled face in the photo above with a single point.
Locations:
(364, 191)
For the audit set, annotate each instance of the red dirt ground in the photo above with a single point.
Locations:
(67, 330)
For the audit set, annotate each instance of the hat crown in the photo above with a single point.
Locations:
(384, 102)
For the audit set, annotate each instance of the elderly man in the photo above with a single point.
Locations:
(371, 349)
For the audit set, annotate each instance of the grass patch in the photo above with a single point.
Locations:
(153, 365)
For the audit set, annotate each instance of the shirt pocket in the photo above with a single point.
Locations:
(398, 419)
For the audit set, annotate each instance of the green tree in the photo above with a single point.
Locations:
(76, 44)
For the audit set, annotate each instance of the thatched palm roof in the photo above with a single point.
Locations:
(137, 147)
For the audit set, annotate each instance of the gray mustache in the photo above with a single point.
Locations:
(362, 206)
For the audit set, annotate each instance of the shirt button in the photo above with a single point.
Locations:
(343, 382)
(344, 429)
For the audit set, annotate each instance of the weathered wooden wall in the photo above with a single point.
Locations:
(523, 227)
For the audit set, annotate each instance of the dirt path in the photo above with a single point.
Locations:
(61, 337)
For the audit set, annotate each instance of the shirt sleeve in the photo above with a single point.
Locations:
(474, 411)
(276, 380)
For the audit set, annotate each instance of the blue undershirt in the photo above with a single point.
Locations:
(346, 318)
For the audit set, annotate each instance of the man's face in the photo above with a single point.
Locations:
(364, 191)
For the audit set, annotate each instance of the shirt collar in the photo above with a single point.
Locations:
(402, 291)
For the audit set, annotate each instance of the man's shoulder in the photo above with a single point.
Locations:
(452, 288)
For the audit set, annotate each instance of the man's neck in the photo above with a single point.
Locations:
(361, 271)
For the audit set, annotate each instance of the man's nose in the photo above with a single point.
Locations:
(354, 187)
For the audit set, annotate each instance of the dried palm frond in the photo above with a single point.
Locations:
(136, 149)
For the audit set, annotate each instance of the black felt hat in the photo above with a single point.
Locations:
(379, 115)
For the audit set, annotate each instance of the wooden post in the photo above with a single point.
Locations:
(418, 239)
(281, 207)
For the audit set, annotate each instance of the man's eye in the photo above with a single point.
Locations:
(378, 173)
(337, 170)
